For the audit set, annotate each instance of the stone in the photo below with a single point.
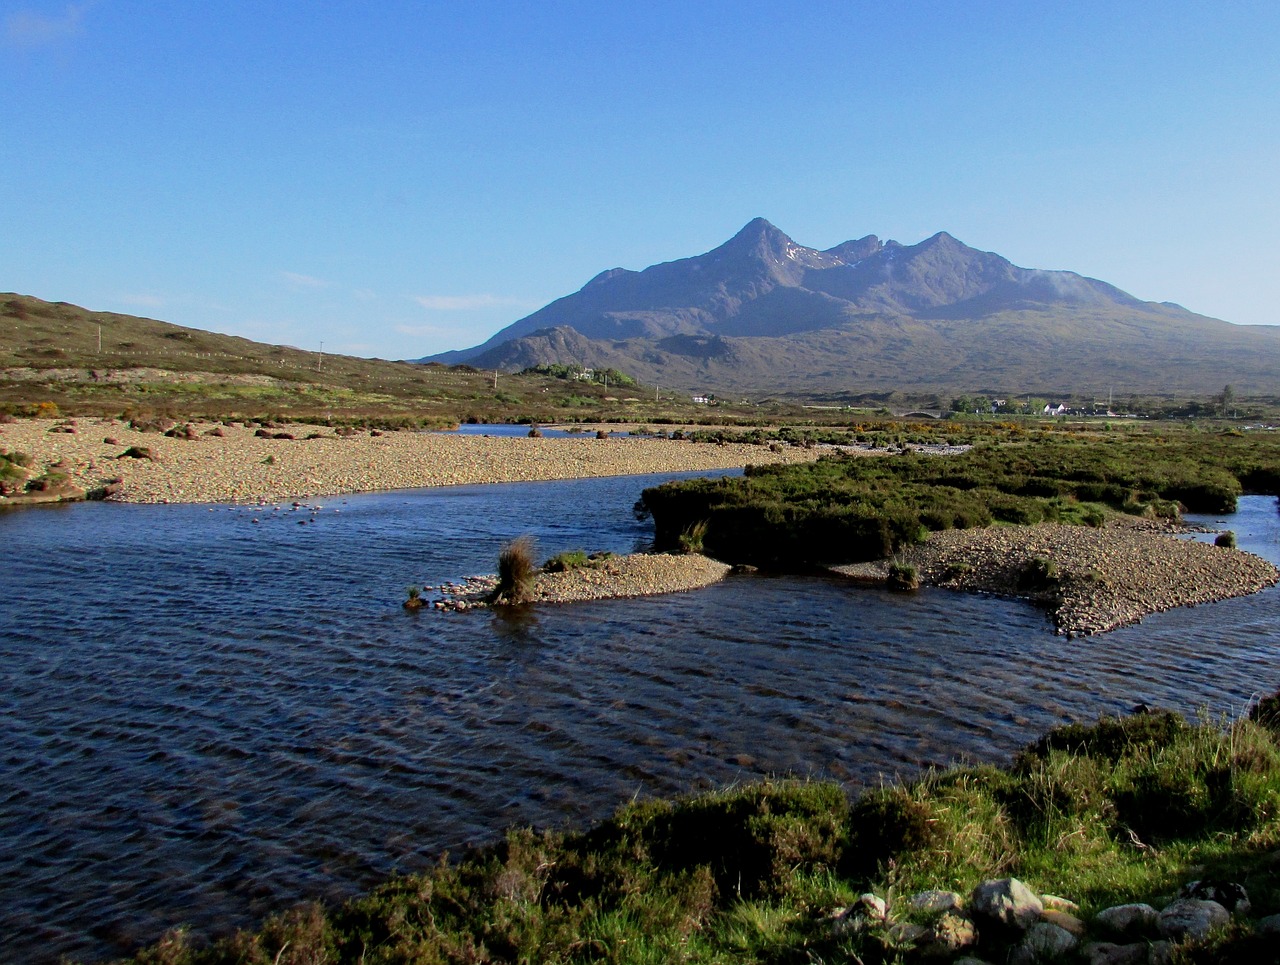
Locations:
(1269, 925)
(1064, 920)
(1060, 904)
(1191, 918)
(869, 909)
(951, 933)
(1106, 953)
(936, 901)
(1228, 894)
(1043, 942)
(1006, 902)
(1127, 921)
(1160, 953)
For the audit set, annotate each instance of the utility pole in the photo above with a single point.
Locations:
(320, 359)
(99, 339)
(495, 380)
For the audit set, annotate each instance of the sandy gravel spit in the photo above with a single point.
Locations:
(1106, 578)
(618, 577)
(239, 466)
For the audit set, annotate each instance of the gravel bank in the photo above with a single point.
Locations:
(641, 574)
(241, 467)
(1106, 578)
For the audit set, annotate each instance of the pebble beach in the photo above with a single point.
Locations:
(1107, 577)
(239, 466)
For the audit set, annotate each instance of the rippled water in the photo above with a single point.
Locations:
(209, 713)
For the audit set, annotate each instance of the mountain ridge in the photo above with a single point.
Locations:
(868, 314)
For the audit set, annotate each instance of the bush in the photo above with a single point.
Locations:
(884, 825)
(517, 572)
(1226, 540)
(566, 561)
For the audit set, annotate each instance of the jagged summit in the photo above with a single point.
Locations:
(762, 310)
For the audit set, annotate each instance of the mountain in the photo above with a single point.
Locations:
(762, 313)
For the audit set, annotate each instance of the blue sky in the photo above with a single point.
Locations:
(398, 178)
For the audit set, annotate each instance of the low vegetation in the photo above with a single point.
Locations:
(517, 572)
(1124, 810)
(848, 508)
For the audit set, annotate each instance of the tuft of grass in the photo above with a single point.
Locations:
(517, 572)
(903, 577)
(694, 536)
(1227, 540)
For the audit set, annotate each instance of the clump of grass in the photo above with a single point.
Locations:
(956, 571)
(694, 537)
(903, 577)
(1039, 574)
(517, 572)
(1227, 540)
(414, 600)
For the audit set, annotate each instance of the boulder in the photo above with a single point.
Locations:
(1064, 920)
(950, 933)
(1191, 918)
(1006, 902)
(936, 901)
(1106, 953)
(1269, 925)
(1127, 921)
(1043, 942)
(1054, 903)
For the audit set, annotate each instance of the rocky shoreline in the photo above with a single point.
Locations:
(216, 463)
(1089, 580)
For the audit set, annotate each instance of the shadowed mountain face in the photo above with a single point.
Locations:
(761, 313)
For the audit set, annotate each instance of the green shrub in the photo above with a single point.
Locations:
(1111, 738)
(1227, 540)
(886, 824)
(566, 561)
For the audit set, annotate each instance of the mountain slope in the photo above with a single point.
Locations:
(761, 313)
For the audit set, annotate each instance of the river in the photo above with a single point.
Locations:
(211, 712)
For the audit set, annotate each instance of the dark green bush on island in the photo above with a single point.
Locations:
(846, 508)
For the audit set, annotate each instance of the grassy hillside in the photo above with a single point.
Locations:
(101, 363)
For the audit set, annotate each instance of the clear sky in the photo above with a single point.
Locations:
(399, 178)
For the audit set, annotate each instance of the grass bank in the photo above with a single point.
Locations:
(1125, 810)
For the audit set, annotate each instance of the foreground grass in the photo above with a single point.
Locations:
(1125, 810)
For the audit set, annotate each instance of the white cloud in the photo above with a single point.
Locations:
(28, 28)
(465, 303)
(304, 281)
